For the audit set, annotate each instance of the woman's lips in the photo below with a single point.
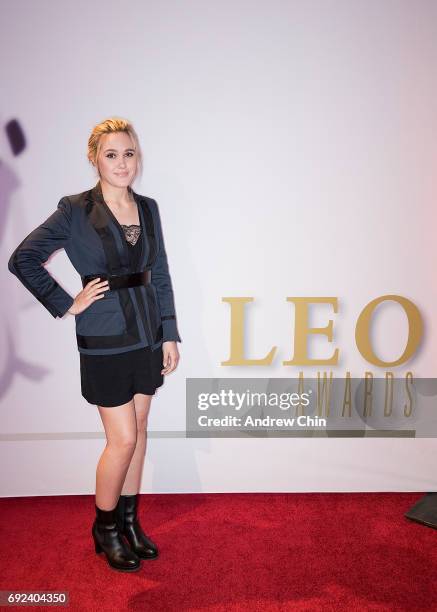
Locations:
(121, 173)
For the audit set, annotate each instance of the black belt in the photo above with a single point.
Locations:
(121, 281)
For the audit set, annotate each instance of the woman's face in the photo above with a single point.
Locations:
(117, 159)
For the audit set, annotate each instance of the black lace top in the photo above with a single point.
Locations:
(132, 233)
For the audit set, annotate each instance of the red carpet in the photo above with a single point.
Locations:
(230, 552)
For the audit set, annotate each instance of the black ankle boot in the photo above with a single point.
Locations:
(129, 526)
(108, 539)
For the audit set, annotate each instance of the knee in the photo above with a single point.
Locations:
(124, 445)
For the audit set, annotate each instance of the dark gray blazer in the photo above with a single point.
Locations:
(125, 319)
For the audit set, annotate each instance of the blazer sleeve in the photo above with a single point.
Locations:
(26, 262)
(162, 281)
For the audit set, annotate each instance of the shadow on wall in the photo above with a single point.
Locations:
(11, 362)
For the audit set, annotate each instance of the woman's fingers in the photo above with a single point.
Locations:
(94, 290)
(170, 361)
(94, 287)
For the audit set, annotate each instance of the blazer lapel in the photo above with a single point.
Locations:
(149, 238)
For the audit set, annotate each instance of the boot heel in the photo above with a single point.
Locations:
(97, 547)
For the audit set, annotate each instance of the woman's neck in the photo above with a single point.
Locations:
(119, 197)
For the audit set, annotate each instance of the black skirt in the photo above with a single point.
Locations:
(112, 380)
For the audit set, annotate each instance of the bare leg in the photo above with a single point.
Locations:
(121, 435)
(132, 482)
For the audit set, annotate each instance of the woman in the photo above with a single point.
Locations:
(125, 322)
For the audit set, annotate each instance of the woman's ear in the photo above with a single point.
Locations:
(96, 168)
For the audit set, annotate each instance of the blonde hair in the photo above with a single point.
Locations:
(109, 126)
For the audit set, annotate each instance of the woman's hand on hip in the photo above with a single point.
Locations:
(90, 293)
(170, 356)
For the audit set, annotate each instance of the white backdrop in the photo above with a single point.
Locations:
(292, 149)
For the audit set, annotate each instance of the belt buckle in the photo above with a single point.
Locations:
(110, 278)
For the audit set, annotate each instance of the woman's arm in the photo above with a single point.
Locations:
(26, 262)
(162, 281)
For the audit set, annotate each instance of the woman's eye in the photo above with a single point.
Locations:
(130, 154)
